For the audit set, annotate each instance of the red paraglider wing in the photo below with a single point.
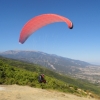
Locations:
(40, 21)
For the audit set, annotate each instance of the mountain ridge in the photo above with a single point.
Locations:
(76, 68)
(30, 56)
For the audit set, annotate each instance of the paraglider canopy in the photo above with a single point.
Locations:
(38, 22)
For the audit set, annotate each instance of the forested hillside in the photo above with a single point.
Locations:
(22, 73)
(75, 68)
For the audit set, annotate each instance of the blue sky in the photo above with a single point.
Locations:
(81, 43)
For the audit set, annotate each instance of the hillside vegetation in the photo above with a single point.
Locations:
(75, 68)
(22, 73)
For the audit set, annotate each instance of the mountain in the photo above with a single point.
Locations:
(22, 73)
(51, 61)
(76, 68)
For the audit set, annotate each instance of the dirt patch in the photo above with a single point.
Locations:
(15, 92)
(2, 88)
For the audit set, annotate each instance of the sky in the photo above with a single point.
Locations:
(80, 43)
